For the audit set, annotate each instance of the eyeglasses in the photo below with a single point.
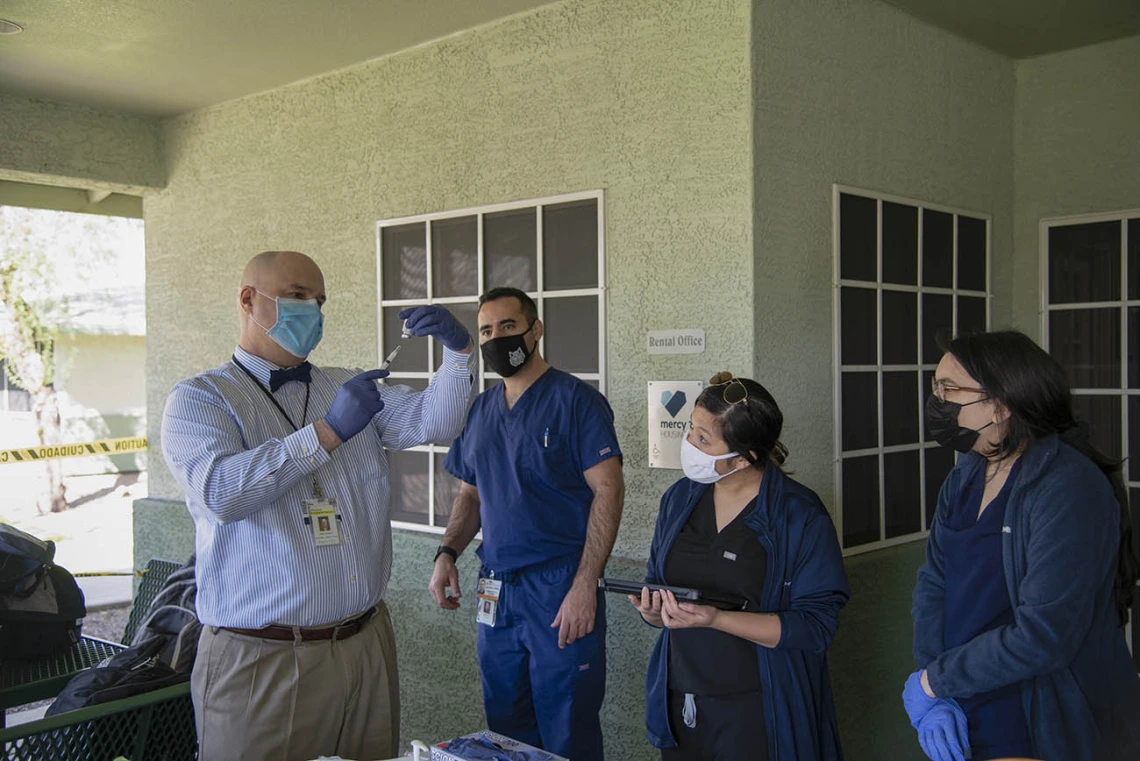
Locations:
(735, 392)
(940, 389)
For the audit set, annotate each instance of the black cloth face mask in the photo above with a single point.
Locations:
(506, 355)
(942, 425)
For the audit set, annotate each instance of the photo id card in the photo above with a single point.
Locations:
(322, 519)
(487, 600)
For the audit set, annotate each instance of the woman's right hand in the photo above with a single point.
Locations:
(649, 606)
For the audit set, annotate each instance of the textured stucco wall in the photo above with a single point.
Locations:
(76, 146)
(859, 93)
(648, 101)
(1076, 151)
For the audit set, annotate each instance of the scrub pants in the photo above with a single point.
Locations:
(533, 691)
(729, 727)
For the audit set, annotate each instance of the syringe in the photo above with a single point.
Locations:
(388, 360)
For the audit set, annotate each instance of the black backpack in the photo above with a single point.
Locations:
(41, 606)
(161, 653)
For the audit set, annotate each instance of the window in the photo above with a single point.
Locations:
(552, 248)
(1090, 278)
(13, 398)
(905, 272)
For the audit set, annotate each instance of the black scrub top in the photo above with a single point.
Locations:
(707, 661)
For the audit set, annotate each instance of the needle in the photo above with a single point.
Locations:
(388, 361)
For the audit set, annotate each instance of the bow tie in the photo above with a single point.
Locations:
(278, 378)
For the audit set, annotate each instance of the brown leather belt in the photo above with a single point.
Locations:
(337, 632)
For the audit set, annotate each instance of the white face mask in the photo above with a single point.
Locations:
(701, 467)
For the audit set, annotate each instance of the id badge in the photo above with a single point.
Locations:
(487, 600)
(322, 519)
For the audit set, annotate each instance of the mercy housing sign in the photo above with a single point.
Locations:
(681, 341)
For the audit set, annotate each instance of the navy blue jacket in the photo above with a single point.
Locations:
(1060, 535)
(806, 586)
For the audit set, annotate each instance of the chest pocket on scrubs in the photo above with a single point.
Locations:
(547, 460)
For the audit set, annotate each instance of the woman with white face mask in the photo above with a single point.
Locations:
(749, 683)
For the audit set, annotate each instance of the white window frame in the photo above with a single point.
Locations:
(879, 368)
(540, 295)
(1123, 304)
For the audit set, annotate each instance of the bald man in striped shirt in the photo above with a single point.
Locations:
(285, 470)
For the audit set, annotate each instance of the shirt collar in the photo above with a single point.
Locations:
(256, 365)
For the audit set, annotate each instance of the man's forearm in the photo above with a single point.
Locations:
(601, 531)
(464, 522)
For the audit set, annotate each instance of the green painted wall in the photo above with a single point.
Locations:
(1076, 150)
(76, 146)
(716, 130)
(647, 101)
(859, 93)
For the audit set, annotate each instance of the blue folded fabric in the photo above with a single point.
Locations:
(482, 748)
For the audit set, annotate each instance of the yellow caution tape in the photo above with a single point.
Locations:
(104, 447)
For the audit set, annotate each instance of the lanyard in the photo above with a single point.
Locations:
(304, 414)
(284, 414)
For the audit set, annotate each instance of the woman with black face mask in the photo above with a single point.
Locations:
(1020, 607)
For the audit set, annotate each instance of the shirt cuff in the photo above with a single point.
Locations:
(459, 364)
(305, 449)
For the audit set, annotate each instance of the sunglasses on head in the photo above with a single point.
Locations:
(734, 392)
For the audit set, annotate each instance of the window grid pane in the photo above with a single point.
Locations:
(404, 251)
(506, 255)
(1092, 267)
(883, 335)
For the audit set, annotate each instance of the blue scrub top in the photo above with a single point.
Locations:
(977, 600)
(528, 464)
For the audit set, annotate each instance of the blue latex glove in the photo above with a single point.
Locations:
(355, 404)
(943, 732)
(438, 322)
(915, 700)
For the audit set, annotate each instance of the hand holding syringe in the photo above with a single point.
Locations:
(404, 335)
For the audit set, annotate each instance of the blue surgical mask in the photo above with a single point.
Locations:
(299, 325)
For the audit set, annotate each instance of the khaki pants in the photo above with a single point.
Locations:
(266, 700)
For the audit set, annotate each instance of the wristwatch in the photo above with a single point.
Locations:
(445, 550)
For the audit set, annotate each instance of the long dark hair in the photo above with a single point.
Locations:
(752, 424)
(1027, 381)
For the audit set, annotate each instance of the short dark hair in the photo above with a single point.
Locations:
(529, 308)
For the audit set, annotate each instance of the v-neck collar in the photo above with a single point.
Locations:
(502, 397)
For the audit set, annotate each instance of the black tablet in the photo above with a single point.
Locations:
(685, 594)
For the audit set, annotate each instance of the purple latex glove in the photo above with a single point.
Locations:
(355, 404)
(436, 321)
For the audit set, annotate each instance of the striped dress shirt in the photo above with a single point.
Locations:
(245, 473)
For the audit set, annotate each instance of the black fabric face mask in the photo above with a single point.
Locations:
(506, 355)
(942, 425)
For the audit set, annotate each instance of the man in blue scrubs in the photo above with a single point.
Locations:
(541, 475)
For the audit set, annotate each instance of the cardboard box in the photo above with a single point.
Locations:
(438, 752)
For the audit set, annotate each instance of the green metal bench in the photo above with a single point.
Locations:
(155, 726)
(28, 681)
